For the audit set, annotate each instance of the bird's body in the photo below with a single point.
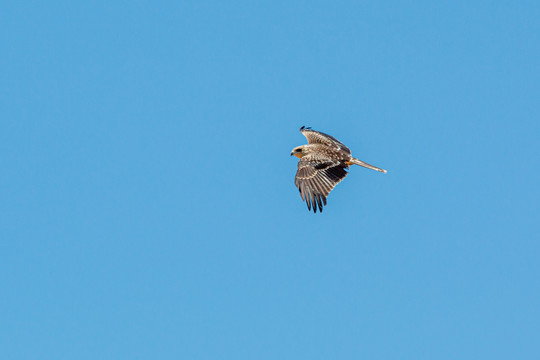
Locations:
(323, 164)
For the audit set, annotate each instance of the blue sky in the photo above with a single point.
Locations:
(148, 202)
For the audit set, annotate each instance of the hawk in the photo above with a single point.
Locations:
(323, 164)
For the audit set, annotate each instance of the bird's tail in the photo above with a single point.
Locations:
(366, 165)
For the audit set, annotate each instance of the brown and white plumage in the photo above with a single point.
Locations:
(323, 164)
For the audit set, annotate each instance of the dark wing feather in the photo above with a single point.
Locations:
(316, 177)
(317, 137)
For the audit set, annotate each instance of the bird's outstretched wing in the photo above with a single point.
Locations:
(316, 177)
(317, 137)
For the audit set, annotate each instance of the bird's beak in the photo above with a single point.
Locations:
(292, 154)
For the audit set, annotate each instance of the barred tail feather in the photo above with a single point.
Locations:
(366, 165)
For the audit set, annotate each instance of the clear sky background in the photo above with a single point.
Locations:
(148, 206)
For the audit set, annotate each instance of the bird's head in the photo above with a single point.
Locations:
(298, 151)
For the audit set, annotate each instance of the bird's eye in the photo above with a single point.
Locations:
(298, 150)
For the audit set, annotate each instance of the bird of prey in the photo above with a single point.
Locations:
(323, 164)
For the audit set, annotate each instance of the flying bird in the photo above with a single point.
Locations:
(323, 164)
